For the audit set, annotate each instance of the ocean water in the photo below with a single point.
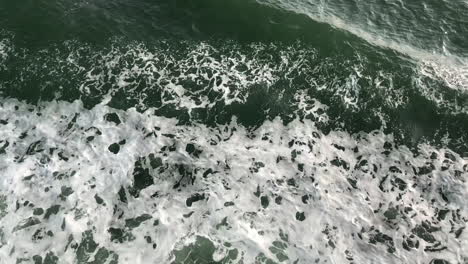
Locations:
(233, 131)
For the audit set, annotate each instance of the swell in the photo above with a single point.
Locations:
(423, 24)
(429, 27)
(421, 35)
(331, 28)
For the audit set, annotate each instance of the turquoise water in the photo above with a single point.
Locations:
(233, 131)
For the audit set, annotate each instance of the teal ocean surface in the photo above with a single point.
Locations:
(233, 131)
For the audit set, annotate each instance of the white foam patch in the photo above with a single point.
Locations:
(196, 75)
(455, 77)
(228, 71)
(5, 50)
(344, 198)
(437, 82)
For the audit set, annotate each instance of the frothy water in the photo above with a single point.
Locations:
(233, 132)
(113, 185)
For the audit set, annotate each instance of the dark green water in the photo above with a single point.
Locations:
(396, 69)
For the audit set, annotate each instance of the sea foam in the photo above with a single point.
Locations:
(103, 184)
